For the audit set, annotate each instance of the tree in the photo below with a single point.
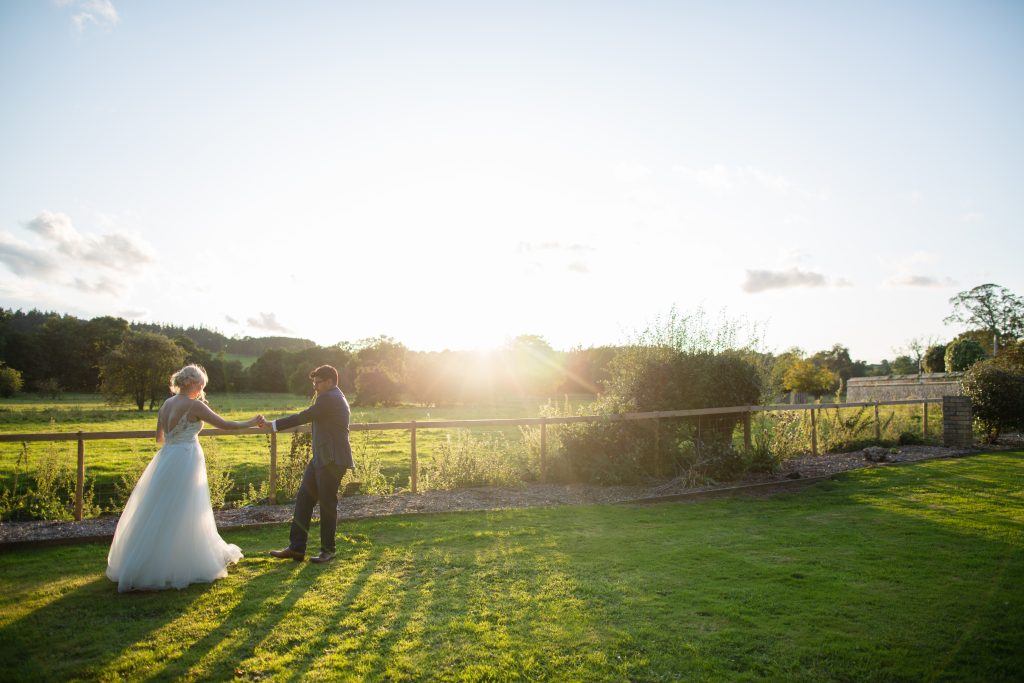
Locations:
(10, 381)
(780, 366)
(1011, 356)
(837, 359)
(962, 354)
(805, 377)
(530, 367)
(376, 385)
(935, 358)
(904, 365)
(991, 307)
(268, 373)
(383, 351)
(139, 367)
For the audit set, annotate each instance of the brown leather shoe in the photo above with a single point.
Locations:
(288, 554)
(322, 558)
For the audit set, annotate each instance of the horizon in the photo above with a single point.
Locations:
(456, 175)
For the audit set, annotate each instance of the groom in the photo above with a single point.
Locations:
(332, 455)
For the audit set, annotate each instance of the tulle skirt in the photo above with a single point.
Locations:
(166, 536)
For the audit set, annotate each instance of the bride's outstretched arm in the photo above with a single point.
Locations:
(205, 413)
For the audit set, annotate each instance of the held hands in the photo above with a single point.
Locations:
(257, 421)
(261, 422)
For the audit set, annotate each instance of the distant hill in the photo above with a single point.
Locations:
(28, 323)
(214, 341)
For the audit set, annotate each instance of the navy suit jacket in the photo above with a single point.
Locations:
(330, 416)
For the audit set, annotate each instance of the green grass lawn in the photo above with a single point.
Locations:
(246, 457)
(907, 573)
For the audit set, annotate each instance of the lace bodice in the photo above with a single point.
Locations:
(184, 431)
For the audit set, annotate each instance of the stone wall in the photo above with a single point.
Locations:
(901, 387)
(956, 422)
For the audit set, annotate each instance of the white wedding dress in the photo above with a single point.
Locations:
(166, 536)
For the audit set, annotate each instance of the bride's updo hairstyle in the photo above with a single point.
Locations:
(188, 376)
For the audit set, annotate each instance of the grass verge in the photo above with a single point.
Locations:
(887, 574)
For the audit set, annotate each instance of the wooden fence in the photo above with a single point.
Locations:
(543, 422)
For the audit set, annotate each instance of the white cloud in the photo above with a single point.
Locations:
(268, 322)
(578, 267)
(112, 250)
(554, 256)
(908, 280)
(87, 263)
(103, 285)
(725, 178)
(762, 280)
(25, 260)
(230, 320)
(87, 13)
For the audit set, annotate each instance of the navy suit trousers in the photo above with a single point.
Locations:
(319, 485)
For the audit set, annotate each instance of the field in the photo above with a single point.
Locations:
(893, 574)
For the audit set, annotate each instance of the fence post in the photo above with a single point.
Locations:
(657, 438)
(543, 445)
(878, 424)
(747, 444)
(413, 479)
(80, 484)
(814, 433)
(273, 468)
(925, 419)
(698, 436)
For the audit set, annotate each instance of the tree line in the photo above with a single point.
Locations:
(49, 352)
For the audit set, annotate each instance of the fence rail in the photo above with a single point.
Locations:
(82, 436)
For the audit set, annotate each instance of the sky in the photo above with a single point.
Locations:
(454, 174)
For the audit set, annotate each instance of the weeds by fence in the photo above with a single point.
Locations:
(706, 443)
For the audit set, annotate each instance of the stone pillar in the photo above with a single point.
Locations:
(956, 422)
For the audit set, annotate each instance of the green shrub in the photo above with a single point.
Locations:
(289, 475)
(653, 378)
(369, 472)
(51, 494)
(10, 381)
(907, 438)
(962, 354)
(997, 398)
(466, 459)
(838, 431)
(218, 475)
(775, 437)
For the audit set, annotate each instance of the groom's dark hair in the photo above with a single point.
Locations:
(325, 372)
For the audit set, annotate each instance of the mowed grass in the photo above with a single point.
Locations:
(907, 573)
(246, 457)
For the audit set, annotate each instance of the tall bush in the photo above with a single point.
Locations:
(997, 397)
(962, 354)
(644, 379)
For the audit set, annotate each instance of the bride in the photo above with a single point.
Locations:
(166, 536)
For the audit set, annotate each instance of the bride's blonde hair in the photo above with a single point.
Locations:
(187, 376)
